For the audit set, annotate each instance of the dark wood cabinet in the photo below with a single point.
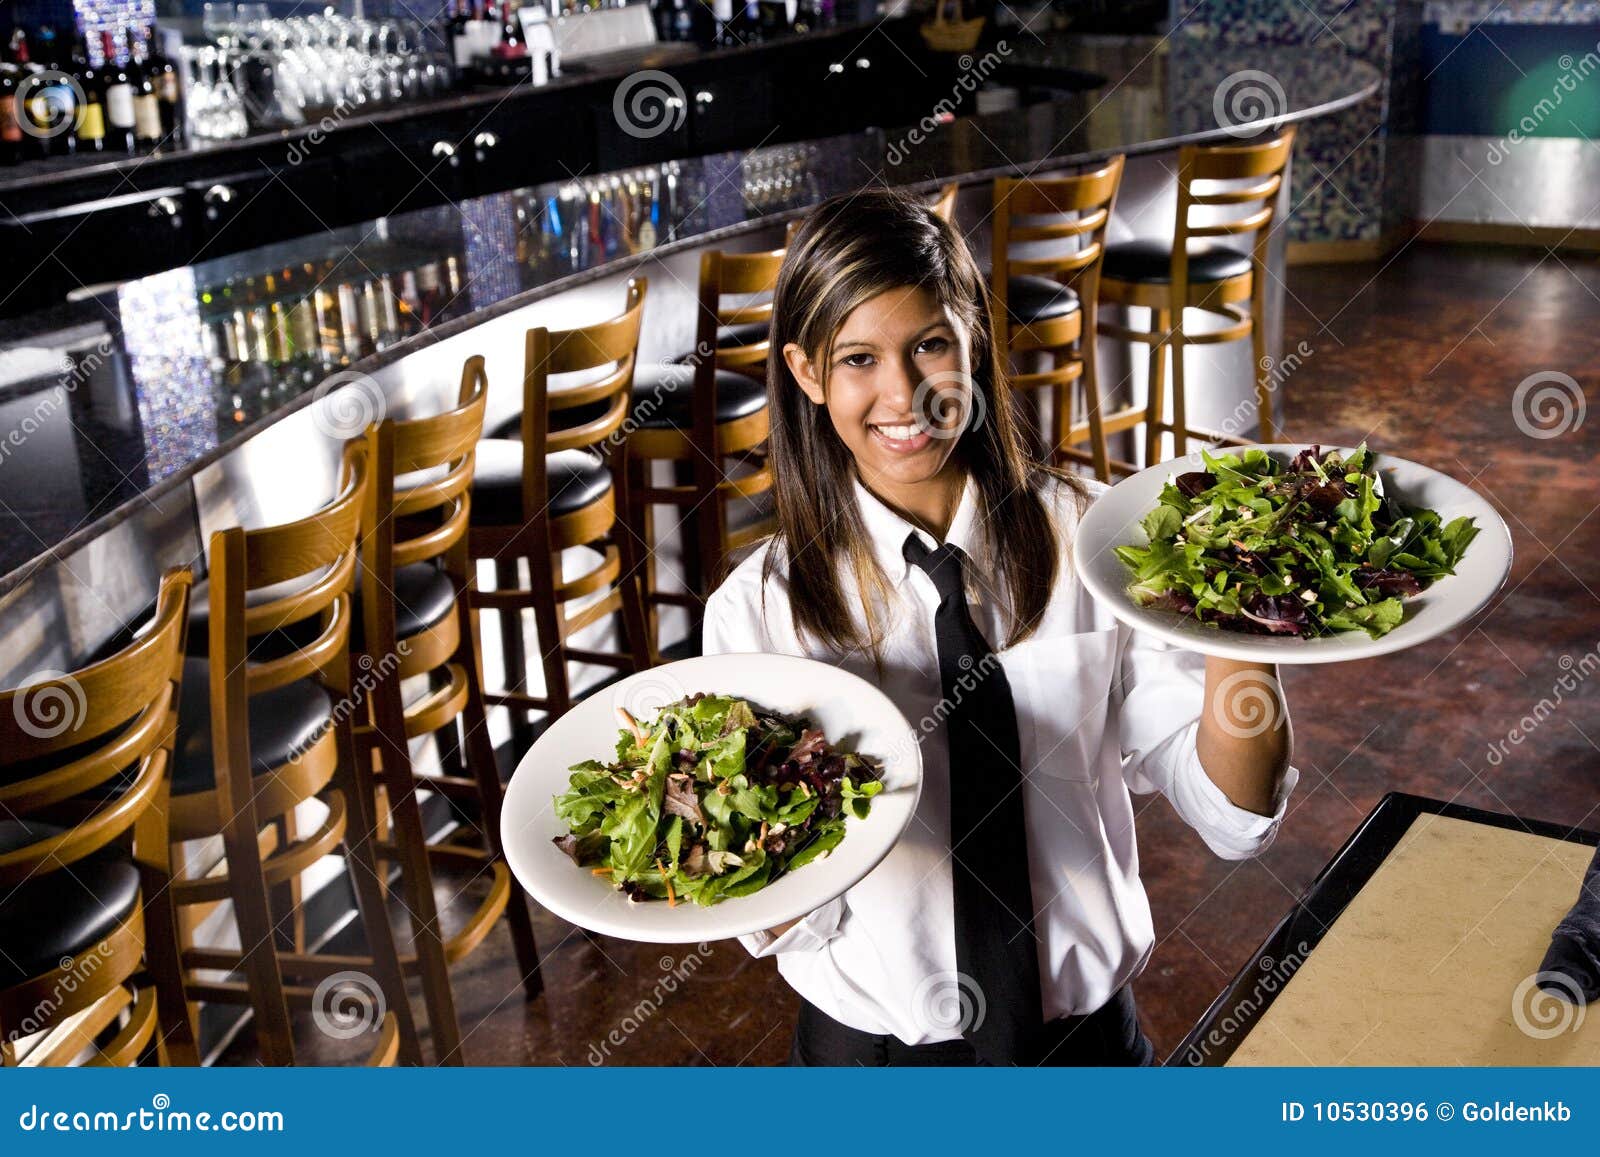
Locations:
(86, 224)
(237, 211)
(54, 252)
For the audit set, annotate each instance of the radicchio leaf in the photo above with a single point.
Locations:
(1389, 582)
(680, 799)
(1276, 614)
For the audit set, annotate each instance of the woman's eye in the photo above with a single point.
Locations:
(857, 361)
(934, 345)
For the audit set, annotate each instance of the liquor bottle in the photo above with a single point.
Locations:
(163, 73)
(118, 98)
(10, 128)
(458, 33)
(45, 103)
(661, 17)
(510, 46)
(91, 130)
(681, 22)
(147, 132)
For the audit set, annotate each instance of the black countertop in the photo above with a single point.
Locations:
(165, 374)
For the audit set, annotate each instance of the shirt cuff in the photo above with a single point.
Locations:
(808, 935)
(1233, 832)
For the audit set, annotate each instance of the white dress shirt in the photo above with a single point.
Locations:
(1102, 711)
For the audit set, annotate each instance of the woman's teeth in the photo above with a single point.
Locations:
(898, 433)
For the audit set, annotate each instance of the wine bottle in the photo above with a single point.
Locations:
(49, 103)
(10, 128)
(459, 33)
(163, 73)
(91, 130)
(147, 132)
(118, 98)
(510, 46)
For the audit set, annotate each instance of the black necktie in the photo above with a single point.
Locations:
(995, 944)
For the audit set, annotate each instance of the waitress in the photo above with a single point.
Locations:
(919, 547)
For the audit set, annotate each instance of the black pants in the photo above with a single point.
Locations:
(1110, 1035)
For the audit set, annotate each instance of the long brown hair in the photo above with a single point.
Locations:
(851, 249)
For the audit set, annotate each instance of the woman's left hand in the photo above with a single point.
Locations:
(1244, 731)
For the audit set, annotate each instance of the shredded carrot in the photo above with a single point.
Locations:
(600, 871)
(672, 897)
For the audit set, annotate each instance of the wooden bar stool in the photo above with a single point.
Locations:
(415, 624)
(703, 418)
(1046, 305)
(84, 867)
(265, 725)
(1224, 282)
(551, 490)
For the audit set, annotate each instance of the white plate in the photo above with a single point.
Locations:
(1116, 517)
(854, 715)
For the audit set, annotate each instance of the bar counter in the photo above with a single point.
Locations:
(168, 436)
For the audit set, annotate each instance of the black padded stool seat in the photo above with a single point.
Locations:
(1151, 261)
(423, 596)
(745, 333)
(660, 401)
(577, 478)
(282, 722)
(662, 394)
(1030, 298)
(60, 914)
(567, 419)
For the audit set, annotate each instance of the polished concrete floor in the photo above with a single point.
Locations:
(1421, 356)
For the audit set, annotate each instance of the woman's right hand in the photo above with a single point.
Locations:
(780, 929)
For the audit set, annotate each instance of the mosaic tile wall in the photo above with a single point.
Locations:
(91, 17)
(1353, 174)
(1458, 12)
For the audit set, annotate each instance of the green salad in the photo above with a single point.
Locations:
(1249, 544)
(715, 797)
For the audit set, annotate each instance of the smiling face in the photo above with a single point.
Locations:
(899, 394)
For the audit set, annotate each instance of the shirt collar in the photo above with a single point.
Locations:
(888, 529)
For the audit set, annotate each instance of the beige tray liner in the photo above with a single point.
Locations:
(1421, 967)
